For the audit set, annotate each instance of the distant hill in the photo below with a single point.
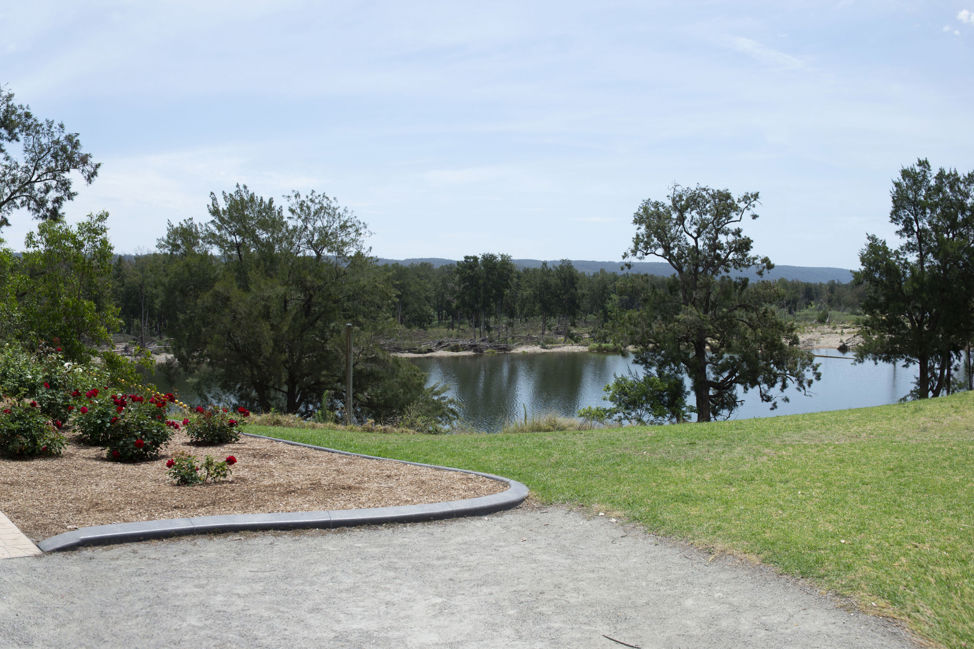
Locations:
(811, 274)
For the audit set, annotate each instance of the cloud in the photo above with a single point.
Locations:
(951, 30)
(765, 54)
(966, 16)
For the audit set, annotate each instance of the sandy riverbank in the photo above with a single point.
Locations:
(811, 337)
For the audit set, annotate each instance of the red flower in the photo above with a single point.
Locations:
(231, 460)
(171, 397)
(120, 409)
(57, 423)
(92, 393)
(58, 349)
(139, 443)
(116, 454)
(113, 420)
(233, 422)
(84, 410)
(199, 409)
(44, 449)
(33, 404)
(170, 463)
(185, 422)
(75, 394)
(6, 411)
(47, 385)
(70, 408)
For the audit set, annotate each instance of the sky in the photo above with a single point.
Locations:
(533, 128)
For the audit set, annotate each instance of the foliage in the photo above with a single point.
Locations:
(545, 423)
(94, 416)
(185, 469)
(642, 400)
(26, 432)
(917, 301)
(893, 482)
(62, 287)
(215, 425)
(139, 429)
(37, 159)
(702, 323)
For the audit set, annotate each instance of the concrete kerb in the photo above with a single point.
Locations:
(168, 528)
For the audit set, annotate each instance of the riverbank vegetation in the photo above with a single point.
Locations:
(876, 504)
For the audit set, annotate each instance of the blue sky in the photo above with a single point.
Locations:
(531, 128)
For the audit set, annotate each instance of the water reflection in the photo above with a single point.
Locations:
(495, 389)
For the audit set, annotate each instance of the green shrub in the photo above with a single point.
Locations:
(26, 432)
(139, 428)
(211, 426)
(93, 416)
(184, 469)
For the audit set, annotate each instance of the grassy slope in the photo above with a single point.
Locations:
(875, 503)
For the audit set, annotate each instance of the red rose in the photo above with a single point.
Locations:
(84, 410)
(139, 443)
(113, 420)
(116, 454)
(6, 411)
(171, 397)
(233, 422)
(58, 349)
(199, 409)
(75, 394)
(70, 408)
(170, 463)
(47, 385)
(57, 423)
(33, 404)
(120, 409)
(44, 449)
(92, 393)
(185, 422)
(231, 460)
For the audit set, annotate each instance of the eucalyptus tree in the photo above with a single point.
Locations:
(275, 291)
(37, 160)
(917, 301)
(702, 323)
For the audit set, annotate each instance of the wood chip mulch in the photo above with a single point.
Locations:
(48, 496)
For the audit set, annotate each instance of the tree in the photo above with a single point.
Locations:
(63, 287)
(917, 300)
(701, 323)
(268, 310)
(35, 174)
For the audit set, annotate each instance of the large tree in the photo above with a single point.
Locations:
(703, 323)
(917, 302)
(268, 295)
(37, 158)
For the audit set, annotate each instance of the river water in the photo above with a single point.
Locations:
(495, 389)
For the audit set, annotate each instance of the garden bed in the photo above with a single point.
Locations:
(48, 496)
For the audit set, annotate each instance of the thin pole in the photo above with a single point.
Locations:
(348, 374)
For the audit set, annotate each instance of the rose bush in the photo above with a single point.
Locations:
(184, 469)
(137, 430)
(26, 432)
(211, 426)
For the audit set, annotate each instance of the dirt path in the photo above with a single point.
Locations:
(527, 578)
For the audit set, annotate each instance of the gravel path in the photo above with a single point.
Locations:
(523, 578)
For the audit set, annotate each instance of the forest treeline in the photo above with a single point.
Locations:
(482, 296)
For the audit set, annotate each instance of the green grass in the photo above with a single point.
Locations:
(876, 504)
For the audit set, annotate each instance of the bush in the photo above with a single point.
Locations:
(93, 416)
(214, 426)
(184, 469)
(25, 432)
(139, 428)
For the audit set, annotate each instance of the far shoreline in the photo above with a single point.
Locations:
(811, 337)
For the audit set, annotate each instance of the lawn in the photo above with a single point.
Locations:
(876, 504)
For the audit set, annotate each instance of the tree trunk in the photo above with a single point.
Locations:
(923, 378)
(698, 377)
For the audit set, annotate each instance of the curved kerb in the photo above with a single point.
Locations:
(168, 528)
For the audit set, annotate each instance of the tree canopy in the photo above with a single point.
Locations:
(917, 297)
(702, 324)
(37, 158)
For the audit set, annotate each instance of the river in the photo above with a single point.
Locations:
(494, 389)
